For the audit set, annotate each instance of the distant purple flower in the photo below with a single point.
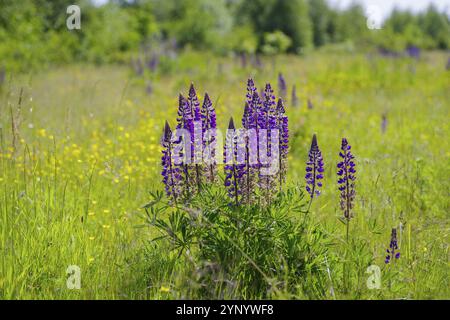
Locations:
(393, 247)
(413, 52)
(170, 173)
(149, 88)
(346, 179)
(294, 99)
(243, 58)
(310, 104)
(209, 126)
(314, 169)
(282, 88)
(258, 63)
(153, 62)
(447, 66)
(138, 66)
(383, 122)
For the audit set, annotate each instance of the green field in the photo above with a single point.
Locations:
(80, 152)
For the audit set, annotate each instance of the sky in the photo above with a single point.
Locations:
(384, 6)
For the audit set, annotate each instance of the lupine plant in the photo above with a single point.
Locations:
(346, 181)
(392, 252)
(314, 170)
(247, 153)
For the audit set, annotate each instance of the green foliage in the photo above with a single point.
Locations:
(242, 40)
(245, 252)
(320, 19)
(275, 43)
(33, 33)
(292, 18)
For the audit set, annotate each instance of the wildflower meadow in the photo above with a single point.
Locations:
(193, 174)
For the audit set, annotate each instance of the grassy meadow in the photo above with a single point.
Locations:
(80, 154)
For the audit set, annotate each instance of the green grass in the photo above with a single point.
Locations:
(85, 154)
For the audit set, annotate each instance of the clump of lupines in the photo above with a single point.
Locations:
(392, 252)
(170, 173)
(250, 153)
(194, 143)
(314, 169)
(282, 88)
(346, 179)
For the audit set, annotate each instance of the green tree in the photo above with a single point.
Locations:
(292, 18)
(319, 13)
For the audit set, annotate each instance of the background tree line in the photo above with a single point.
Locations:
(33, 33)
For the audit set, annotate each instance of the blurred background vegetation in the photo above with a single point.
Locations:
(33, 33)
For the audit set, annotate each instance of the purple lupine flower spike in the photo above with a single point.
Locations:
(346, 173)
(170, 172)
(230, 168)
(209, 127)
(248, 171)
(310, 104)
(183, 144)
(194, 104)
(282, 88)
(283, 128)
(392, 251)
(196, 136)
(251, 89)
(267, 120)
(314, 170)
(294, 99)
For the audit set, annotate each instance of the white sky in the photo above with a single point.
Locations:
(385, 6)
